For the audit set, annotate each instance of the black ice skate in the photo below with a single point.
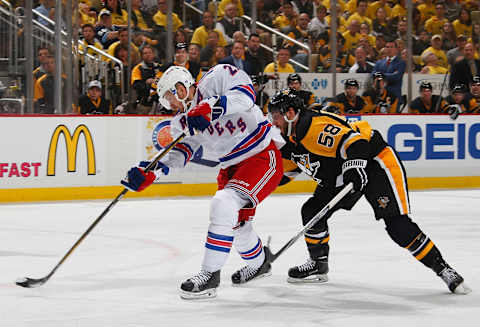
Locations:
(312, 271)
(454, 281)
(248, 273)
(202, 285)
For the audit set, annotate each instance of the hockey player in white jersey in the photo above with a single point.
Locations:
(219, 113)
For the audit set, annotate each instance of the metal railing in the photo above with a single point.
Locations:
(7, 36)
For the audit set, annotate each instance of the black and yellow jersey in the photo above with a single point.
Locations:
(469, 105)
(418, 106)
(349, 106)
(384, 103)
(323, 141)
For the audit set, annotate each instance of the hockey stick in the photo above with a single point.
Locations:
(312, 222)
(32, 282)
(441, 91)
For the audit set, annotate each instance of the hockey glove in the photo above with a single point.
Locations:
(454, 110)
(137, 179)
(200, 116)
(353, 171)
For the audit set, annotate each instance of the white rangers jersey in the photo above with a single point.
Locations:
(240, 131)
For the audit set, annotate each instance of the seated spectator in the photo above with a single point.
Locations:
(365, 32)
(341, 21)
(380, 24)
(436, 49)
(104, 30)
(281, 65)
(352, 35)
(427, 10)
(370, 50)
(123, 40)
(229, 23)
(434, 24)
(423, 42)
(455, 54)
(121, 53)
(348, 102)
(45, 9)
(304, 7)
(300, 34)
(88, 15)
(253, 56)
(460, 101)
(378, 99)
(318, 24)
(144, 76)
(88, 33)
(160, 18)
(194, 53)
(43, 95)
(207, 53)
(43, 54)
(427, 102)
(138, 19)
(344, 59)
(373, 8)
(361, 64)
(287, 18)
(399, 9)
(223, 5)
(119, 15)
(464, 70)
(449, 37)
(201, 34)
(360, 14)
(93, 103)
(181, 59)
(463, 24)
(236, 58)
(431, 65)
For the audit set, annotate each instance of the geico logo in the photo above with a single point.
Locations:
(435, 140)
(71, 143)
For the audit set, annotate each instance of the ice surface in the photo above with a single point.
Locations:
(127, 272)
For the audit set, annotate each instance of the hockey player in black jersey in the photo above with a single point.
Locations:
(349, 102)
(380, 100)
(294, 82)
(427, 103)
(334, 153)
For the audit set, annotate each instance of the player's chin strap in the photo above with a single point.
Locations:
(186, 104)
(290, 123)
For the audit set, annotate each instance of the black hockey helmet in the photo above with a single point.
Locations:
(285, 99)
(476, 80)
(352, 82)
(424, 85)
(255, 79)
(459, 88)
(294, 77)
(378, 75)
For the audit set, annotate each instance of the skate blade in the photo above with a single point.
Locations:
(253, 280)
(462, 289)
(207, 294)
(315, 279)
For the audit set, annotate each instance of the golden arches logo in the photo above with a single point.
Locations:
(71, 143)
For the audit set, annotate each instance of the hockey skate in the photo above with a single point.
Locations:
(312, 271)
(454, 281)
(202, 285)
(248, 273)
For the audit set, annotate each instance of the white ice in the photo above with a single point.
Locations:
(127, 272)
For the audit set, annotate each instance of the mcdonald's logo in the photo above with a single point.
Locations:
(71, 143)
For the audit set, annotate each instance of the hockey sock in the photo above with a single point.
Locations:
(317, 244)
(249, 245)
(217, 247)
(425, 251)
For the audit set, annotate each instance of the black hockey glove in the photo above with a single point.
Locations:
(353, 171)
(454, 110)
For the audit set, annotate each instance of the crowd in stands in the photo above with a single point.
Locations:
(445, 39)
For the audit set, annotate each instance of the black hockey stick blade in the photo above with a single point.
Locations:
(32, 282)
(347, 189)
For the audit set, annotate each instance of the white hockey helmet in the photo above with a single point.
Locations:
(166, 86)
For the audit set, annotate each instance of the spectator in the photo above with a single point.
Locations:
(88, 33)
(464, 70)
(361, 64)
(281, 65)
(427, 102)
(138, 19)
(229, 23)
(207, 54)
(436, 49)
(43, 96)
(341, 21)
(144, 76)
(434, 24)
(318, 24)
(194, 53)
(294, 82)
(104, 29)
(252, 55)
(121, 53)
(378, 98)
(352, 34)
(393, 68)
(455, 54)
(160, 18)
(453, 8)
(202, 33)
(365, 32)
(348, 102)
(399, 10)
(475, 88)
(463, 24)
(371, 52)
(422, 43)
(123, 40)
(380, 24)
(236, 58)
(449, 37)
(44, 8)
(304, 7)
(298, 33)
(223, 5)
(344, 59)
(427, 10)
(287, 18)
(93, 103)
(43, 54)
(119, 16)
(88, 15)
(431, 64)
(238, 36)
(373, 7)
(181, 59)
(360, 14)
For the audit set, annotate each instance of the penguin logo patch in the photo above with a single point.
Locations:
(383, 201)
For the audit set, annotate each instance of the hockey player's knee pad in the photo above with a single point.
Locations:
(225, 206)
(401, 229)
(310, 209)
(242, 231)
